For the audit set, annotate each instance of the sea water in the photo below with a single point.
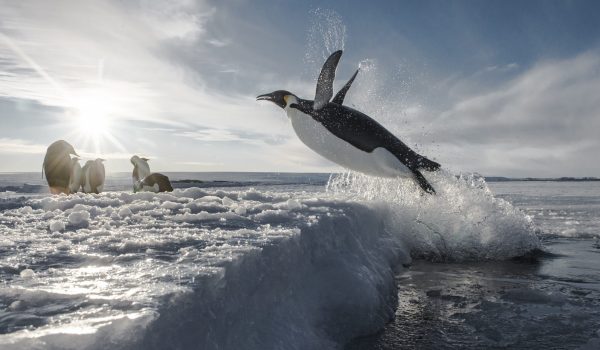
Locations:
(550, 302)
(298, 261)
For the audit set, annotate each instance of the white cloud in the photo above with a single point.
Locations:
(201, 164)
(218, 43)
(17, 146)
(502, 68)
(545, 121)
(104, 155)
(180, 78)
(56, 64)
(117, 55)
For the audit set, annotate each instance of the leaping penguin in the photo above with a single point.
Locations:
(346, 136)
(57, 166)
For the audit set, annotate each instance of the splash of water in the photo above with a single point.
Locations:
(326, 34)
(463, 221)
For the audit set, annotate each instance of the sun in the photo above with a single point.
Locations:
(91, 119)
(92, 116)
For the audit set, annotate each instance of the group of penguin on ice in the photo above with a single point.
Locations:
(338, 133)
(65, 175)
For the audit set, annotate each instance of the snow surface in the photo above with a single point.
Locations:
(252, 269)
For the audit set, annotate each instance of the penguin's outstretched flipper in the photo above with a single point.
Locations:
(347, 136)
(325, 82)
(339, 97)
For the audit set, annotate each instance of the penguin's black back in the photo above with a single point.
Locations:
(364, 133)
(164, 185)
(57, 168)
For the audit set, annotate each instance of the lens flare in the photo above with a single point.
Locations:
(92, 116)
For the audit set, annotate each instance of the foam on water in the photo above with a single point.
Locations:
(246, 269)
(463, 221)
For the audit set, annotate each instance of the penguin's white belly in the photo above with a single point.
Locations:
(150, 188)
(138, 187)
(380, 162)
(87, 187)
(75, 182)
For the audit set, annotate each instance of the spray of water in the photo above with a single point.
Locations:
(463, 221)
(381, 92)
(326, 34)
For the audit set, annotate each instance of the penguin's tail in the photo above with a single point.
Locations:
(422, 181)
(429, 165)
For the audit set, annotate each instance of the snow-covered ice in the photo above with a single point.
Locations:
(245, 268)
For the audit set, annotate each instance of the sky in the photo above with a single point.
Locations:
(501, 88)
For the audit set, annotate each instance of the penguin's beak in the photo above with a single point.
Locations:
(275, 97)
(266, 97)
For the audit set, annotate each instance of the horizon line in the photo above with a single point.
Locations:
(328, 172)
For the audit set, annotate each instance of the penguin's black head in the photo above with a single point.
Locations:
(277, 97)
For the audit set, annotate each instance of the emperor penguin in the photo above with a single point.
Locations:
(346, 136)
(76, 175)
(141, 169)
(93, 176)
(57, 166)
(155, 182)
(144, 180)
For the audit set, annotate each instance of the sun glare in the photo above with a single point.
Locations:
(91, 119)
(92, 116)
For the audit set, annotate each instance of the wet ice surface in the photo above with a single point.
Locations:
(195, 268)
(553, 304)
(287, 263)
(74, 264)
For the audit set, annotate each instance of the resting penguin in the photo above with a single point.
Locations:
(76, 174)
(57, 166)
(346, 136)
(143, 180)
(93, 176)
(154, 182)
